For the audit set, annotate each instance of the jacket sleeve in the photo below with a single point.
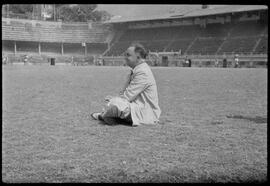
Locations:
(136, 86)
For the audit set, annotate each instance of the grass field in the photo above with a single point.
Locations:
(213, 127)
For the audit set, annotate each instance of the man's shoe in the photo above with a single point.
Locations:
(97, 116)
(135, 125)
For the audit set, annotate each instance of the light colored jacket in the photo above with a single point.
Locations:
(142, 94)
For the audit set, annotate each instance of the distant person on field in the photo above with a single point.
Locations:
(100, 62)
(236, 60)
(137, 102)
(189, 62)
(224, 63)
(25, 59)
(4, 59)
(186, 62)
(216, 62)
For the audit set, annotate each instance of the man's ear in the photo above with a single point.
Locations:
(137, 55)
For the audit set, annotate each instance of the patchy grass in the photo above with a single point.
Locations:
(48, 134)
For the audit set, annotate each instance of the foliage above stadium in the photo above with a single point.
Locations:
(190, 13)
(81, 13)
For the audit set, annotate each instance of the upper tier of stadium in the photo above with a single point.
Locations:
(189, 13)
(48, 31)
(211, 31)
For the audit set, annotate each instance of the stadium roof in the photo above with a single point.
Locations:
(191, 13)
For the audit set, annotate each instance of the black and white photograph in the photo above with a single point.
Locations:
(134, 93)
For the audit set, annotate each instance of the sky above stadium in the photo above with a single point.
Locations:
(133, 10)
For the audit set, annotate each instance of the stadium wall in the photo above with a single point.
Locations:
(215, 38)
(176, 60)
(52, 39)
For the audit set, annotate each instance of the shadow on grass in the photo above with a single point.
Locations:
(256, 119)
(115, 122)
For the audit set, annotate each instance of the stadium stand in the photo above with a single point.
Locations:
(42, 31)
(119, 48)
(155, 45)
(52, 39)
(262, 46)
(205, 46)
(50, 48)
(247, 28)
(165, 33)
(8, 46)
(73, 48)
(96, 48)
(68, 43)
(51, 34)
(227, 30)
(236, 37)
(238, 45)
(187, 32)
(216, 30)
(180, 45)
(202, 33)
(27, 46)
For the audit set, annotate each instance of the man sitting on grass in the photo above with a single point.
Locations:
(137, 102)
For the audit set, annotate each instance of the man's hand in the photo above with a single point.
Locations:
(108, 98)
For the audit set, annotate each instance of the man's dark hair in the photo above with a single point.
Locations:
(139, 48)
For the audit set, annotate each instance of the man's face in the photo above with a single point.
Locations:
(131, 57)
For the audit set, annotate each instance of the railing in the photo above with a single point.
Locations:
(17, 16)
(223, 54)
(247, 55)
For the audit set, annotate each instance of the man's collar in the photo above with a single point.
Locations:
(138, 64)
